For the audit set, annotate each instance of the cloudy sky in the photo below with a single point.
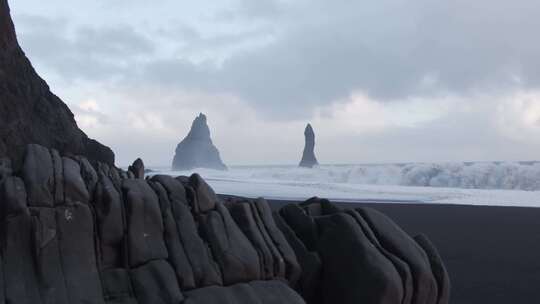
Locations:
(380, 81)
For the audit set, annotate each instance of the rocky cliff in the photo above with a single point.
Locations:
(308, 156)
(196, 150)
(29, 112)
(73, 233)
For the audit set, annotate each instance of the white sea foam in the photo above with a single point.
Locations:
(455, 183)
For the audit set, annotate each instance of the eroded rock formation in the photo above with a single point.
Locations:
(137, 168)
(196, 150)
(308, 156)
(73, 232)
(29, 112)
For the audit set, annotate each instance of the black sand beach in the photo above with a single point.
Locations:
(492, 253)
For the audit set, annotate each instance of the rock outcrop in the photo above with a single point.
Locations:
(29, 112)
(197, 149)
(137, 168)
(308, 156)
(77, 233)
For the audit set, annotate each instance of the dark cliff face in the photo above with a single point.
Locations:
(76, 233)
(29, 112)
(197, 149)
(308, 157)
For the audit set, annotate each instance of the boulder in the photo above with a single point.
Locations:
(401, 266)
(399, 243)
(234, 253)
(292, 267)
(205, 270)
(369, 277)
(204, 197)
(177, 253)
(245, 218)
(438, 268)
(196, 150)
(155, 283)
(309, 280)
(110, 222)
(144, 223)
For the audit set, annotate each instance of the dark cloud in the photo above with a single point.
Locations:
(248, 9)
(320, 51)
(390, 50)
(457, 136)
(81, 52)
(190, 40)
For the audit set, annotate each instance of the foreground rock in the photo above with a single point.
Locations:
(308, 156)
(197, 149)
(77, 233)
(137, 168)
(29, 112)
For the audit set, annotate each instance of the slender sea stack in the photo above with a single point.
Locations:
(197, 149)
(308, 157)
(29, 112)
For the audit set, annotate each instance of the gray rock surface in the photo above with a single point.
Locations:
(77, 233)
(29, 112)
(308, 156)
(197, 149)
(137, 168)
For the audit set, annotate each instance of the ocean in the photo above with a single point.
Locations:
(471, 183)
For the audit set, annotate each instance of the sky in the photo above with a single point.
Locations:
(380, 81)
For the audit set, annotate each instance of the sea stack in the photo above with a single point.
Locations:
(30, 113)
(308, 157)
(197, 149)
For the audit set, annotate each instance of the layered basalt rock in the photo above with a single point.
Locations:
(137, 168)
(308, 156)
(383, 263)
(29, 112)
(196, 150)
(79, 233)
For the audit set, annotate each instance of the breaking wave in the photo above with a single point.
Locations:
(474, 175)
(522, 176)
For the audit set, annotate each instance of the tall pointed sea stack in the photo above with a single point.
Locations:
(197, 149)
(308, 157)
(29, 112)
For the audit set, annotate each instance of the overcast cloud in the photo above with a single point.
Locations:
(381, 81)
